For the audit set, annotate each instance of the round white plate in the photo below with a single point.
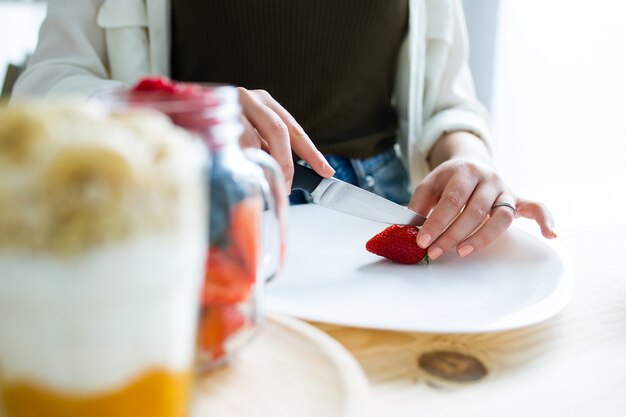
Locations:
(329, 277)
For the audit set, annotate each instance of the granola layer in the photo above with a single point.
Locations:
(75, 176)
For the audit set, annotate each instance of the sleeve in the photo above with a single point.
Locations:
(453, 106)
(70, 57)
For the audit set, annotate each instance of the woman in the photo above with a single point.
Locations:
(358, 77)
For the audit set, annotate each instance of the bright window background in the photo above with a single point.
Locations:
(560, 105)
(19, 25)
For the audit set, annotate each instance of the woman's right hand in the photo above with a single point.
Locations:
(270, 127)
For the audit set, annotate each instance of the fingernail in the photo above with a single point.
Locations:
(434, 253)
(465, 250)
(424, 240)
(300, 130)
(330, 170)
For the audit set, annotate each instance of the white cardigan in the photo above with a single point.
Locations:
(86, 46)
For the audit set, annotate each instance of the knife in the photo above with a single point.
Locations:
(347, 198)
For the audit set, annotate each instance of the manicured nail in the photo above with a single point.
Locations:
(300, 130)
(434, 253)
(465, 250)
(424, 240)
(330, 170)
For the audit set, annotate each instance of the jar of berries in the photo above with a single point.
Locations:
(247, 211)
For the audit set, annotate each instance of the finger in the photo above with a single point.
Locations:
(424, 197)
(540, 213)
(455, 195)
(250, 138)
(271, 128)
(499, 220)
(473, 216)
(301, 144)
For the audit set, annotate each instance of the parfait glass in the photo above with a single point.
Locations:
(102, 255)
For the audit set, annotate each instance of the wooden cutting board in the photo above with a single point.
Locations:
(290, 369)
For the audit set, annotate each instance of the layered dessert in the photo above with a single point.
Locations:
(102, 253)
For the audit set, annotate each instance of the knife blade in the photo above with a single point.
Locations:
(347, 198)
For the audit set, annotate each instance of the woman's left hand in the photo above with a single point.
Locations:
(465, 196)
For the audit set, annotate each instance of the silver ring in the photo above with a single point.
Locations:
(505, 204)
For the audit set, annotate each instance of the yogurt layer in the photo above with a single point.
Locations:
(98, 322)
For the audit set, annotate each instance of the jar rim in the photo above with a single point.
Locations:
(219, 98)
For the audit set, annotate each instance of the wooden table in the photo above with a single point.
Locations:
(571, 365)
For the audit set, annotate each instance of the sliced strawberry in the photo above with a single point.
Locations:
(215, 294)
(398, 244)
(217, 324)
(231, 270)
(226, 280)
(245, 227)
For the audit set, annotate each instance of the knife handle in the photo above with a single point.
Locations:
(305, 179)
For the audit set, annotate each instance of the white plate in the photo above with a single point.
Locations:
(329, 277)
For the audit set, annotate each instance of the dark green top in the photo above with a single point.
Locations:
(330, 63)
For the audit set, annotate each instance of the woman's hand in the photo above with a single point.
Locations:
(270, 127)
(461, 192)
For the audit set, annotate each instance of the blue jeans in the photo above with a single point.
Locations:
(383, 174)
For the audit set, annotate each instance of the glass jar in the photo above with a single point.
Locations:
(102, 255)
(247, 221)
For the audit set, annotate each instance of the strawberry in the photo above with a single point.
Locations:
(173, 88)
(226, 280)
(398, 244)
(232, 267)
(245, 226)
(216, 325)
(155, 84)
(197, 97)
